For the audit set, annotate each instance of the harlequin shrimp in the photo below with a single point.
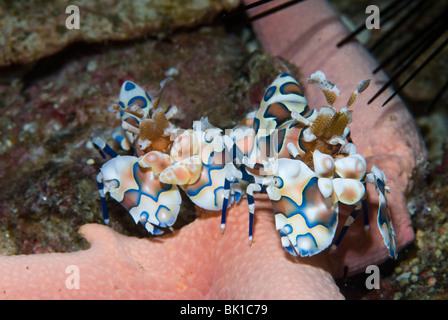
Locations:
(302, 158)
(313, 166)
(147, 184)
(133, 181)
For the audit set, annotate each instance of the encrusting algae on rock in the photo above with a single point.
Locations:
(35, 29)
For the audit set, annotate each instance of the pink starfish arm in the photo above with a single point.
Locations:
(197, 262)
(306, 34)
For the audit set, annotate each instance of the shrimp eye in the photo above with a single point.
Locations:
(278, 182)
